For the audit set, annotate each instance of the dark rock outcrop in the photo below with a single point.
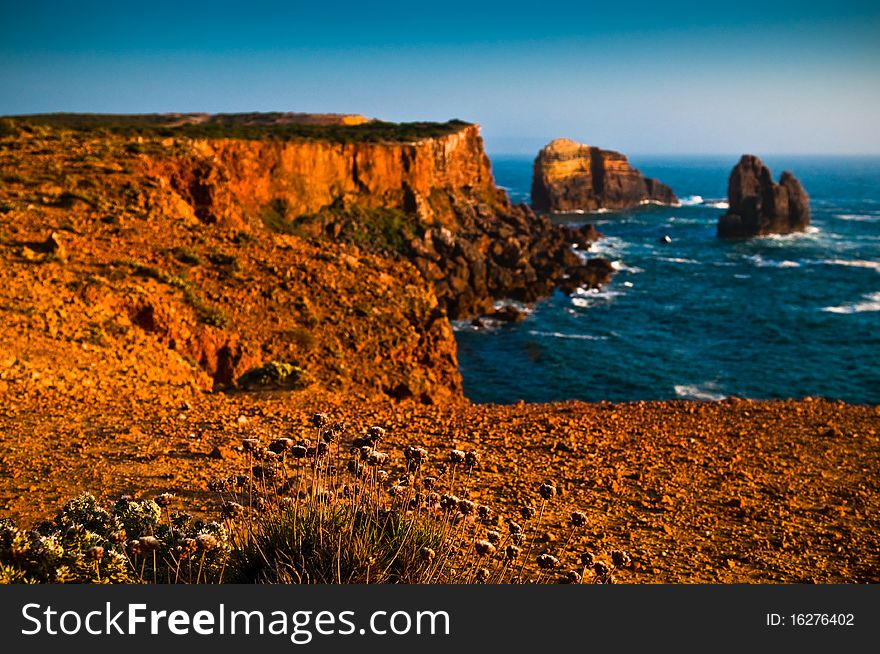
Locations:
(758, 206)
(496, 252)
(569, 176)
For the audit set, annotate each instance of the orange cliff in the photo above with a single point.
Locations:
(227, 180)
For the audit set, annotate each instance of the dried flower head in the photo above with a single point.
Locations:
(466, 507)
(621, 559)
(149, 543)
(232, 509)
(376, 458)
(415, 455)
(484, 512)
(376, 434)
(298, 451)
(547, 561)
(472, 458)
(493, 537)
(429, 483)
(251, 444)
(514, 527)
(570, 577)
(527, 512)
(587, 559)
(482, 575)
(547, 491)
(578, 519)
(95, 553)
(281, 445)
(133, 547)
(601, 568)
(320, 420)
(118, 537)
(456, 457)
(427, 553)
(218, 485)
(511, 552)
(206, 542)
(164, 500)
(484, 548)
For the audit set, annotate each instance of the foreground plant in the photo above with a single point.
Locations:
(321, 507)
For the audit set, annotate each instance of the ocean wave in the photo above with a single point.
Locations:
(610, 247)
(809, 233)
(700, 201)
(678, 260)
(573, 337)
(706, 392)
(620, 266)
(761, 262)
(871, 303)
(853, 263)
(858, 217)
(583, 298)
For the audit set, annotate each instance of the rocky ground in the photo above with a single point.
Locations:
(728, 492)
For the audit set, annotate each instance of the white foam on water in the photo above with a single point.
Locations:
(573, 337)
(854, 263)
(610, 247)
(809, 233)
(706, 392)
(584, 298)
(718, 204)
(871, 303)
(761, 262)
(620, 266)
(691, 201)
(678, 260)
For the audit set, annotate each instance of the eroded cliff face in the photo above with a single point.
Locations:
(231, 180)
(569, 176)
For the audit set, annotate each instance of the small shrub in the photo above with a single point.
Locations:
(132, 542)
(274, 374)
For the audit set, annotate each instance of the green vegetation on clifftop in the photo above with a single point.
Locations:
(238, 126)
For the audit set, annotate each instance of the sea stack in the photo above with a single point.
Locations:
(570, 176)
(758, 206)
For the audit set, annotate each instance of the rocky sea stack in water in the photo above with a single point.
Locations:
(570, 176)
(759, 206)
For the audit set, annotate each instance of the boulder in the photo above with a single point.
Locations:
(758, 206)
(570, 176)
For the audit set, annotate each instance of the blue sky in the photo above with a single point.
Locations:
(642, 77)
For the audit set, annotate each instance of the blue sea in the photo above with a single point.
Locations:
(700, 318)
